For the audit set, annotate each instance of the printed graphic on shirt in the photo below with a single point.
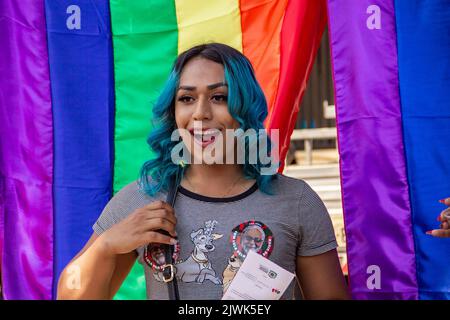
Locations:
(248, 236)
(154, 256)
(197, 267)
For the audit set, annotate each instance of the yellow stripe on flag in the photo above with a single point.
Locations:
(208, 21)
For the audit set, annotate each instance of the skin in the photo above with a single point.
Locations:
(252, 244)
(106, 260)
(444, 231)
(208, 106)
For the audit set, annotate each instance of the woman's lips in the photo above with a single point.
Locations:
(204, 137)
(203, 142)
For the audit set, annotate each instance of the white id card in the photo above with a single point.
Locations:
(258, 278)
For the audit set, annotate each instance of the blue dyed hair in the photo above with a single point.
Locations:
(246, 104)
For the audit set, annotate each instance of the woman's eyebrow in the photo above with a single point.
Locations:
(217, 85)
(210, 86)
(188, 88)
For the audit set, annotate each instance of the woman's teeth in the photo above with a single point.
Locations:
(206, 136)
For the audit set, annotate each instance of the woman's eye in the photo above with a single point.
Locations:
(220, 97)
(185, 99)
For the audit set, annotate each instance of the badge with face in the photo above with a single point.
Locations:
(252, 236)
(154, 256)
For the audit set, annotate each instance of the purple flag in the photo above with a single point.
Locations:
(380, 247)
(26, 152)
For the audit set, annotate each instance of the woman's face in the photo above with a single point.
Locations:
(201, 108)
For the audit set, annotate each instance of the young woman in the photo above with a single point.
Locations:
(223, 209)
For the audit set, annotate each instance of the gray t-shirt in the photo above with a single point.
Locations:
(216, 233)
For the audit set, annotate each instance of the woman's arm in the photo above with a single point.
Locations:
(98, 271)
(94, 273)
(321, 277)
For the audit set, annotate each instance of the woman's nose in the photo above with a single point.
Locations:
(202, 110)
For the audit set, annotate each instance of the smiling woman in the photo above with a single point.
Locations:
(211, 86)
(203, 110)
(223, 211)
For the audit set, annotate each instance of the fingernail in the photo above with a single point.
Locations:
(429, 232)
(442, 201)
(438, 218)
(173, 241)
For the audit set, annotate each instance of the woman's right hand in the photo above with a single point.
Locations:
(140, 228)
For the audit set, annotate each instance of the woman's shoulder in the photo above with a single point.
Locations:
(130, 189)
(294, 188)
(128, 198)
(288, 185)
(134, 191)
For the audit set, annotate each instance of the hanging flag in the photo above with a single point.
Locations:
(391, 72)
(97, 112)
(81, 74)
(423, 37)
(26, 153)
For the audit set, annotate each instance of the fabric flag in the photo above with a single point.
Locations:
(81, 73)
(380, 246)
(280, 38)
(423, 35)
(144, 50)
(26, 152)
(391, 71)
(73, 141)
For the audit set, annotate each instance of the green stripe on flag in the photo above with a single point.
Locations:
(145, 41)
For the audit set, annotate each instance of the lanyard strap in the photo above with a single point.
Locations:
(169, 270)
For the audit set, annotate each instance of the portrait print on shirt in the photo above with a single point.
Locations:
(154, 256)
(248, 236)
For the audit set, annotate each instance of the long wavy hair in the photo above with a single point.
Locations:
(246, 104)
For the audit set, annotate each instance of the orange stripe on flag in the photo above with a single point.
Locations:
(261, 22)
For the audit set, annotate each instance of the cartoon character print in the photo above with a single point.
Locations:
(248, 236)
(197, 267)
(234, 263)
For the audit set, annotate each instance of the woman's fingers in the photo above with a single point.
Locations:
(159, 223)
(160, 213)
(440, 233)
(445, 201)
(157, 237)
(159, 204)
(444, 215)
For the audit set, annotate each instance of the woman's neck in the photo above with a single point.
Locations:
(216, 180)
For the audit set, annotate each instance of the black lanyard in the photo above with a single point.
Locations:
(169, 275)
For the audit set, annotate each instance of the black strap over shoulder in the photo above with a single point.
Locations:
(169, 269)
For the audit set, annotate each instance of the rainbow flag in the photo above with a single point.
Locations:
(78, 81)
(391, 67)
